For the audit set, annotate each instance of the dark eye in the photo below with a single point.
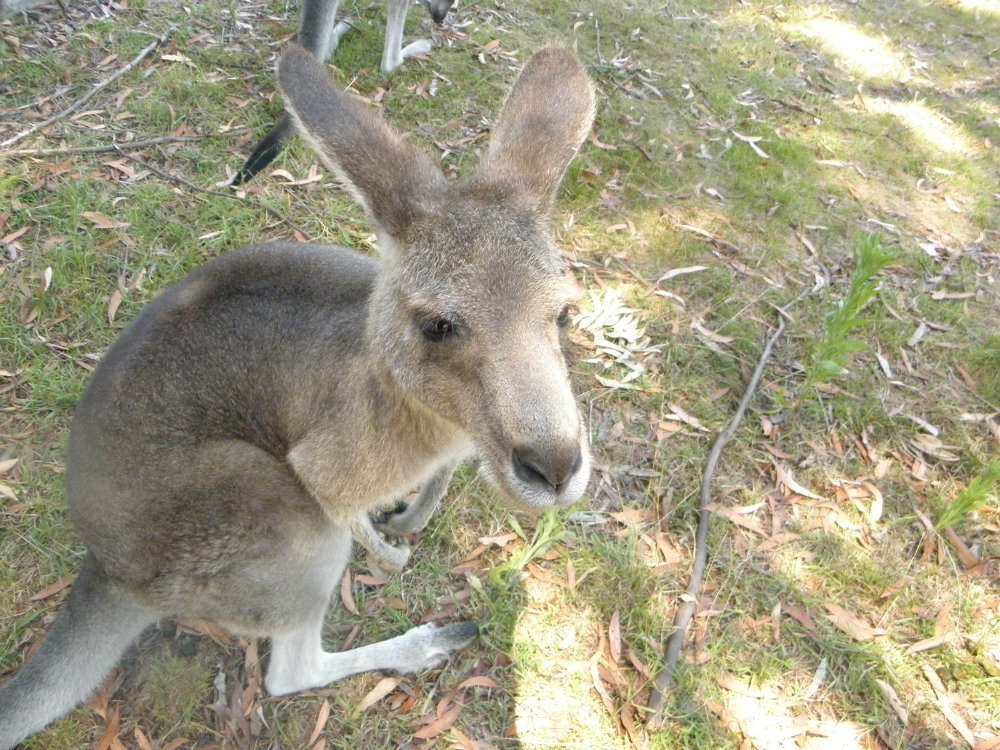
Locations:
(436, 329)
(562, 320)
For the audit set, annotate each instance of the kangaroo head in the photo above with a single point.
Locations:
(472, 293)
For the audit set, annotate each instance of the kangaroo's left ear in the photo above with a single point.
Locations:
(544, 121)
(389, 178)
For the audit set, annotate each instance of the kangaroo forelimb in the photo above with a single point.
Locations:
(388, 558)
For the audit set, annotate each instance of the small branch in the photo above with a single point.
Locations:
(90, 94)
(132, 145)
(122, 145)
(186, 183)
(686, 610)
(712, 239)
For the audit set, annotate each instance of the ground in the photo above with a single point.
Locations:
(742, 156)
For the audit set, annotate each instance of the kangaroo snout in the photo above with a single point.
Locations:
(547, 468)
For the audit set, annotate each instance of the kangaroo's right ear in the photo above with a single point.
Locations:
(544, 121)
(389, 178)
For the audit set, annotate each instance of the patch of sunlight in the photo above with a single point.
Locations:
(770, 723)
(556, 703)
(925, 122)
(865, 55)
(991, 7)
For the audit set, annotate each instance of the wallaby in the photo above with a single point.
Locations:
(248, 422)
(320, 33)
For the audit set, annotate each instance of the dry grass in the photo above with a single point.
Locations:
(750, 144)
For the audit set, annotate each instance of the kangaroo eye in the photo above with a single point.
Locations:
(436, 329)
(562, 320)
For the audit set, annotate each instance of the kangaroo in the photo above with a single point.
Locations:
(249, 422)
(320, 33)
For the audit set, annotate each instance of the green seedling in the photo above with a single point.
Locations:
(836, 348)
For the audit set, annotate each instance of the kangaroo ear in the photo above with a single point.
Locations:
(544, 121)
(390, 179)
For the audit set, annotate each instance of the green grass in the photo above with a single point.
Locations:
(850, 149)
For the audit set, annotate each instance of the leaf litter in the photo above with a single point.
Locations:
(619, 336)
(916, 470)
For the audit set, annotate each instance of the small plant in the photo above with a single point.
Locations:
(834, 350)
(548, 531)
(980, 491)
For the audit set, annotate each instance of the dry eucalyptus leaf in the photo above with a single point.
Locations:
(932, 446)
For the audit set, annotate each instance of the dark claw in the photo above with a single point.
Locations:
(381, 517)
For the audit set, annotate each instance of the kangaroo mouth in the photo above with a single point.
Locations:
(538, 478)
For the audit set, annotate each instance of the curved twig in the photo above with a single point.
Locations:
(686, 610)
(90, 94)
(120, 145)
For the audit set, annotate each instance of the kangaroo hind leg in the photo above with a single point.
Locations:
(298, 661)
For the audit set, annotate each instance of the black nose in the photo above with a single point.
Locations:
(551, 469)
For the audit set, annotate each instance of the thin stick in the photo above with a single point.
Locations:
(90, 94)
(186, 183)
(122, 145)
(686, 609)
(132, 145)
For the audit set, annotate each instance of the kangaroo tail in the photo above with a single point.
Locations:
(266, 151)
(94, 627)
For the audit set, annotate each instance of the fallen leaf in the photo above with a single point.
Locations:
(639, 740)
(892, 697)
(875, 509)
(441, 723)
(382, 688)
(479, 681)
(752, 141)
(851, 624)
(500, 541)
(944, 701)
(926, 644)
(679, 272)
(678, 413)
(52, 590)
(185, 60)
(102, 221)
(324, 714)
(615, 637)
(783, 476)
(931, 446)
(697, 325)
(965, 554)
(113, 304)
(110, 731)
(731, 683)
(346, 593)
(141, 740)
(630, 516)
(737, 516)
(602, 691)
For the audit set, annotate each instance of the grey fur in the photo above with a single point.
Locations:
(246, 424)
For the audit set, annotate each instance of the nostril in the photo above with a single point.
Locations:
(533, 468)
(528, 467)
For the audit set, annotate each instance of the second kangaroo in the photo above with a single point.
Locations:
(245, 426)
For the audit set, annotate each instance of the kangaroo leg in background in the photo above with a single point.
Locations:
(393, 52)
(96, 625)
(320, 33)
